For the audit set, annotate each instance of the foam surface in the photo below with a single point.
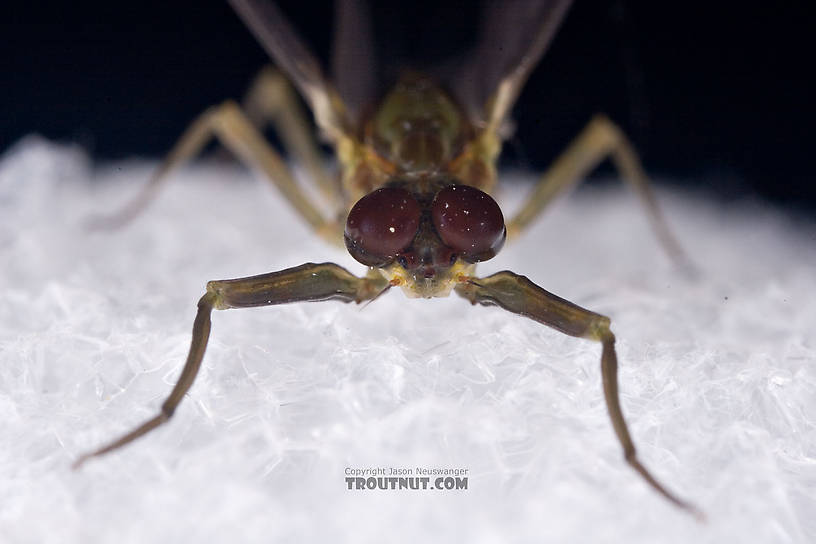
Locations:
(718, 376)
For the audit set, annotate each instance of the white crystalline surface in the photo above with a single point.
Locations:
(718, 375)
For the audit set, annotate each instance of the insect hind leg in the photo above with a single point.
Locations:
(271, 99)
(229, 124)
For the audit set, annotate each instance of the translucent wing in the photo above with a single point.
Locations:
(353, 61)
(277, 36)
(514, 36)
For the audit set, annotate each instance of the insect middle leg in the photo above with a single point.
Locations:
(307, 282)
(271, 99)
(600, 139)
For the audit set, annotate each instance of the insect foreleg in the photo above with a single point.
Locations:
(307, 282)
(519, 295)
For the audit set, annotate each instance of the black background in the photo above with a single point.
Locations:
(713, 94)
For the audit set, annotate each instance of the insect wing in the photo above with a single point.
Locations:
(354, 67)
(280, 41)
(514, 36)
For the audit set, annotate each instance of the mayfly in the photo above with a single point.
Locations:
(412, 199)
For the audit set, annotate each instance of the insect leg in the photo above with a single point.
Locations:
(599, 140)
(307, 282)
(271, 99)
(230, 125)
(519, 295)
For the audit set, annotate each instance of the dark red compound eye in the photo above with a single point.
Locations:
(468, 221)
(381, 224)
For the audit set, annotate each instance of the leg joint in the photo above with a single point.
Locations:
(599, 330)
(166, 412)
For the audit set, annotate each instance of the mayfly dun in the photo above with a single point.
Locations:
(412, 197)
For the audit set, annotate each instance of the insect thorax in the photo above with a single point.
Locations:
(418, 129)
